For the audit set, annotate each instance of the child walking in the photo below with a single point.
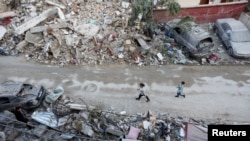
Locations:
(142, 92)
(180, 89)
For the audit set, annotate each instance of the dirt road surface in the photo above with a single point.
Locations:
(212, 92)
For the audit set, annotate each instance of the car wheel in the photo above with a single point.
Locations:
(230, 51)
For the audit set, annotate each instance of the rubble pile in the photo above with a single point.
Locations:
(89, 32)
(80, 32)
(100, 125)
(60, 118)
(92, 123)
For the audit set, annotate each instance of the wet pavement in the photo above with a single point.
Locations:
(212, 92)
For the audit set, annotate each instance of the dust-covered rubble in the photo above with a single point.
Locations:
(87, 32)
(61, 118)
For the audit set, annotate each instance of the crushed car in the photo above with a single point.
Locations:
(234, 35)
(4, 52)
(196, 40)
(19, 94)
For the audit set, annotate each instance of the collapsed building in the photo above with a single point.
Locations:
(84, 32)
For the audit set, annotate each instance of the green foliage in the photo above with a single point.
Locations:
(172, 6)
(143, 7)
(185, 24)
(247, 9)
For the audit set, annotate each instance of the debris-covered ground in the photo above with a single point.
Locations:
(59, 118)
(92, 32)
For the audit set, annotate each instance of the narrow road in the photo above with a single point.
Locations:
(212, 92)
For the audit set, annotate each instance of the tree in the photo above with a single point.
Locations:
(142, 11)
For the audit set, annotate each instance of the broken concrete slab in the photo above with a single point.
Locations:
(39, 130)
(80, 107)
(14, 134)
(54, 95)
(128, 42)
(77, 106)
(61, 14)
(88, 30)
(87, 130)
(2, 31)
(35, 38)
(55, 4)
(7, 14)
(45, 27)
(71, 40)
(114, 131)
(36, 20)
(2, 136)
(143, 44)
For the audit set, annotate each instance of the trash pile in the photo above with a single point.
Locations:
(79, 32)
(60, 118)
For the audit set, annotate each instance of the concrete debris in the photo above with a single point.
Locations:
(87, 130)
(88, 122)
(2, 136)
(77, 106)
(36, 20)
(143, 44)
(55, 4)
(87, 32)
(2, 31)
(114, 131)
(34, 38)
(45, 27)
(7, 14)
(40, 130)
(54, 95)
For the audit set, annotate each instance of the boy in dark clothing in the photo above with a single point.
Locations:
(180, 89)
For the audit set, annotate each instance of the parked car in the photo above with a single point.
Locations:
(18, 94)
(235, 36)
(197, 40)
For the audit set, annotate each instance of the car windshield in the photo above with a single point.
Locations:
(240, 36)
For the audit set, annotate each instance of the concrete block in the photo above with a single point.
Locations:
(39, 130)
(33, 38)
(7, 14)
(55, 4)
(114, 131)
(2, 31)
(43, 28)
(36, 20)
(88, 30)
